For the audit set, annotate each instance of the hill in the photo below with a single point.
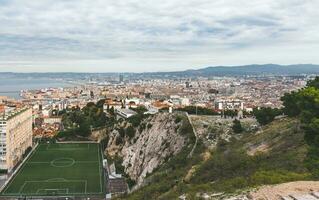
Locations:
(244, 70)
(272, 155)
(267, 69)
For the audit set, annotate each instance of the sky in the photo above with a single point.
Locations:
(155, 35)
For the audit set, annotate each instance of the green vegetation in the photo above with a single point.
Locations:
(229, 113)
(138, 118)
(60, 169)
(130, 131)
(237, 128)
(120, 169)
(79, 122)
(286, 149)
(266, 115)
(139, 109)
(238, 164)
(231, 167)
(192, 110)
(185, 128)
(305, 105)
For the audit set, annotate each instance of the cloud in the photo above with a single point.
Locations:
(134, 35)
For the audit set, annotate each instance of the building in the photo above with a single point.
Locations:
(15, 136)
(151, 110)
(229, 104)
(121, 78)
(185, 101)
(52, 120)
(124, 113)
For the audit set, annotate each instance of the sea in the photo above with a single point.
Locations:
(12, 86)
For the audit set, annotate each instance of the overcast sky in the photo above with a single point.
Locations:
(155, 35)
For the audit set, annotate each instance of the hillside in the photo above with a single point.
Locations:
(140, 145)
(266, 69)
(272, 155)
(254, 69)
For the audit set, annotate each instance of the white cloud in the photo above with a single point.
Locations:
(155, 35)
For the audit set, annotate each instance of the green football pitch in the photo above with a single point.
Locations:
(60, 170)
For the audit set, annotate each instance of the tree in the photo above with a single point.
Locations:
(304, 104)
(79, 122)
(230, 113)
(130, 131)
(266, 115)
(237, 128)
(314, 83)
(100, 103)
(290, 103)
(198, 110)
(112, 111)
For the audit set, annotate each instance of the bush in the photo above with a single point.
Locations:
(121, 132)
(119, 140)
(266, 115)
(237, 128)
(178, 119)
(136, 120)
(142, 127)
(276, 176)
(130, 132)
(149, 125)
(198, 110)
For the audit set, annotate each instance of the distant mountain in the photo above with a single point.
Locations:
(267, 69)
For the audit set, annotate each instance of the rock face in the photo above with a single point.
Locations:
(155, 140)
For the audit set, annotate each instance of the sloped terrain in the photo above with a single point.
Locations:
(143, 148)
(272, 155)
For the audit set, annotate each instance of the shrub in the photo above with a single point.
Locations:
(237, 128)
(178, 119)
(119, 140)
(130, 131)
(149, 125)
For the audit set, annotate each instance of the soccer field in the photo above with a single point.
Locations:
(60, 170)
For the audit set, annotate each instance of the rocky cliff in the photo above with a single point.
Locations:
(149, 144)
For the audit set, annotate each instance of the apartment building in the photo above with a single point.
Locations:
(15, 136)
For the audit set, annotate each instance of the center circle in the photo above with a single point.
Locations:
(62, 162)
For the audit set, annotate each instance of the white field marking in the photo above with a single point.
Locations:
(98, 152)
(54, 189)
(20, 169)
(86, 184)
(56, 179)
(33, 153)
(53, 181)
(67, 162)
(67, 149)
(58, 148)
(81, 193)
(21, 188)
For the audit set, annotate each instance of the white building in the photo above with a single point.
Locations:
(229, 104)
(15, 136)
(185, 101)
(124, 113)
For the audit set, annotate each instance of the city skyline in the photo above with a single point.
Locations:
(134, 36)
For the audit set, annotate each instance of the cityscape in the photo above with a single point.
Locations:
(40, 120)
(159, 100)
